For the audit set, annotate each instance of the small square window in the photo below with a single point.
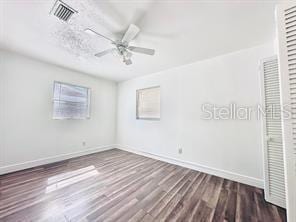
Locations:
(148, 103)
(70, 101)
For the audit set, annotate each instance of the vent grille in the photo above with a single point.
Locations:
(62, 11)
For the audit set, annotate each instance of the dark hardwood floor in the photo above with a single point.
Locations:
(119, 186)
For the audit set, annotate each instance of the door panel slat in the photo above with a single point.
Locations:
(274, 167)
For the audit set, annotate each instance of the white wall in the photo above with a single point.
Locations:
(230, 148)
(29, 135)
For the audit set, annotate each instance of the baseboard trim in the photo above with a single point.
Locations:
(205, 169)
(209, 170)
(43, 161)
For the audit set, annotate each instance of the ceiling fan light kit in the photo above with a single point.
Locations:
(122, 47)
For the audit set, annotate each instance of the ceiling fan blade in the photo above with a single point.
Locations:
(131, 33)
(128, 61)
(92, 32)
(142, 50)
(105, 52)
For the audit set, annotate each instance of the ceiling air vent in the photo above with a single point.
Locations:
(62, 11)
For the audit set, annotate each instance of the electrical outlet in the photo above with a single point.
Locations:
(83, 143)
(180, 150)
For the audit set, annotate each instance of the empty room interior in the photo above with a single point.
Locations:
(147, 110)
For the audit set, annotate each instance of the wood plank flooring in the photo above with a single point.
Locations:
(120, 186)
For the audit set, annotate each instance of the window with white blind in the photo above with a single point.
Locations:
(148, 103)
(70, 101)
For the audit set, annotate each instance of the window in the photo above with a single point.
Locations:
(148, 103)
(70, 101)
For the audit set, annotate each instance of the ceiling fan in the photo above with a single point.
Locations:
(122, 46)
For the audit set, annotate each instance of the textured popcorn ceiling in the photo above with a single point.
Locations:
(181, 32)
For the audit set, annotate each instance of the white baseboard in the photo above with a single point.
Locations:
(39, 162)
(209, 170)
(205, 169)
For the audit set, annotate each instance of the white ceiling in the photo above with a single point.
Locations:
(181, 32)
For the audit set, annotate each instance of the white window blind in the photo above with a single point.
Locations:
(148, 103)
(71, 101)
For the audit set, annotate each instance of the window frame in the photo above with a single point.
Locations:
(137, 104)
(72, 118)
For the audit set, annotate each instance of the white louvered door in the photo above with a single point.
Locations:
(274, 185)
(286, 33)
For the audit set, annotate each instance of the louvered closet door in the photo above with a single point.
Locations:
(273, 145)
(286, 31)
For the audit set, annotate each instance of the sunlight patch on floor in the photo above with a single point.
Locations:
(66, 179)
